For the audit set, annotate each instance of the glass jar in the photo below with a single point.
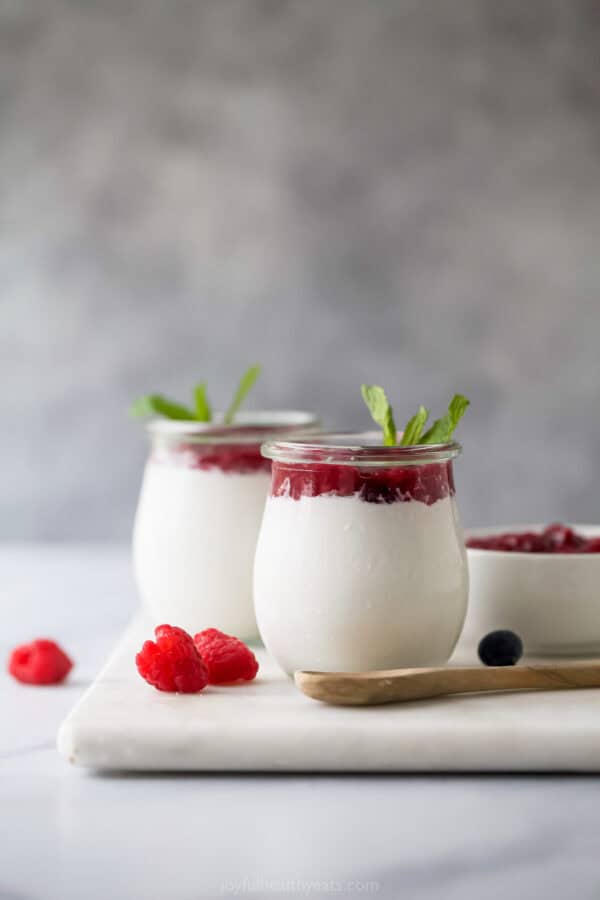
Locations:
(360, 562)
(198, 517)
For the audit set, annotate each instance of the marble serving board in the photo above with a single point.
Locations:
(269, 726)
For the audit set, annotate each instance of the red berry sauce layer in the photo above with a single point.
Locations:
(426, 483)
(555, 538)
(239, 459)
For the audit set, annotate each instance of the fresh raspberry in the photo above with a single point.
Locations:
(226, 657)
(40, 662)
(172, 663)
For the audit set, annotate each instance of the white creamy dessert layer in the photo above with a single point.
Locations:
(194, 539)
(343, 584)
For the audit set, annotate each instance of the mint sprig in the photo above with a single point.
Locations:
(442, 429)
(201, 404)
(159, 405)
(247, 382)
(414, 428)
(381, 411)
(440, 432)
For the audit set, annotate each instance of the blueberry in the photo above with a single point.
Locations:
(500, 648)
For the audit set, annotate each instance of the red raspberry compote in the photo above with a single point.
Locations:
(198, 517)
(360, 562)
(556, 538)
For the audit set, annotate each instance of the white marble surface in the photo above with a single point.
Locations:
(269, 726)
(67, 834)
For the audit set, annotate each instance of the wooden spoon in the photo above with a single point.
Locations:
(397, 685)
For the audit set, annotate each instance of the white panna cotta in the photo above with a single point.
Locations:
(360, 562)
(198, 518)
(194, 542)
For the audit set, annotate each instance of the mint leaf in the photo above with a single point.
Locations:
(156, 404)
(246, 383)
(414, 428)
(381, 411)
(201, 404)
(442, 429)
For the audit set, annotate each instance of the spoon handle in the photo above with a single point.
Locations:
(396, 685)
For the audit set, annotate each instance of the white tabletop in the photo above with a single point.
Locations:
(69, 834)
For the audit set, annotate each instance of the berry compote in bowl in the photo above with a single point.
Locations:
(543, 582)
(198, 517)
(360, 563)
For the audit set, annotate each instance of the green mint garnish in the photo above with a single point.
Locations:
(246, 383)
(442, 429)
(414, 428)
(156, 404)
(440, 432)
(201, 404)
(381, 411)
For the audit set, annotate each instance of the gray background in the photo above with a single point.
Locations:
(344, 190)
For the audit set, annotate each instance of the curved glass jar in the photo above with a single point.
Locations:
(198, 517)
(360, 563)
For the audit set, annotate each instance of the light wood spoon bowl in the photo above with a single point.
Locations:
(398, 685)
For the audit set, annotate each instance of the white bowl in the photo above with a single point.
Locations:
(551, 600)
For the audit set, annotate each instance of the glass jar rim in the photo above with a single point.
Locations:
(357, 449)
(249, 427)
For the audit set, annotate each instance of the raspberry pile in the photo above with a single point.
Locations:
(40, 662)
(556, 538)
(178, 663)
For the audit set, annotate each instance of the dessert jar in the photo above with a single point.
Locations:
(360, 563)
(198, 518)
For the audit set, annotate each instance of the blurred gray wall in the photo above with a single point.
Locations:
(344, 190)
